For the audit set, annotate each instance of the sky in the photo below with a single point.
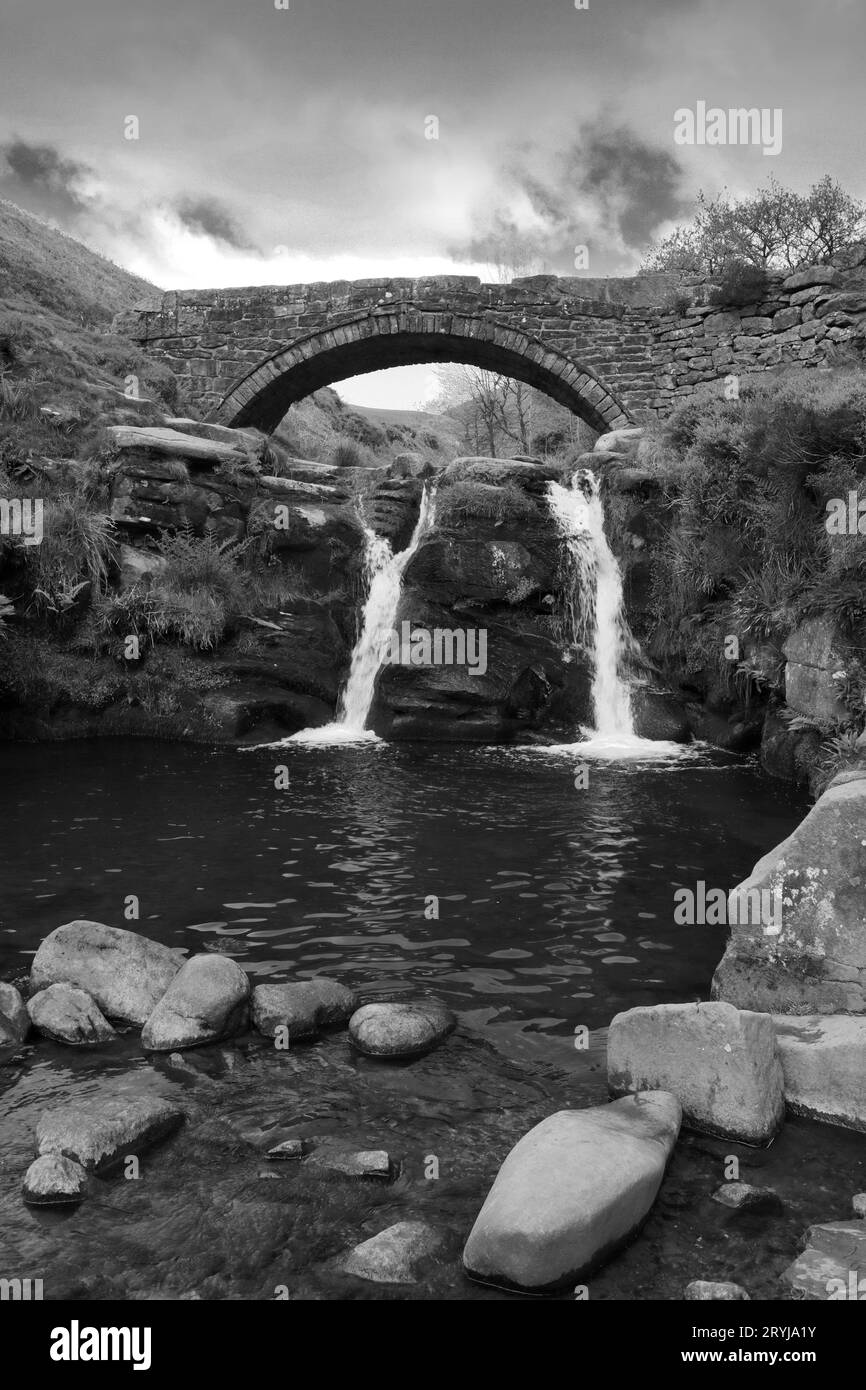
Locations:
(339, 139)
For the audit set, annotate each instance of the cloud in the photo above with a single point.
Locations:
(44, 180)
(607, 189)
(208, 217)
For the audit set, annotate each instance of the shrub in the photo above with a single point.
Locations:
(740, 283)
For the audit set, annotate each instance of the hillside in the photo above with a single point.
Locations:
(41, 264)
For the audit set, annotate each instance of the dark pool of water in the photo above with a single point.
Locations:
(555, 910)
(555, 904)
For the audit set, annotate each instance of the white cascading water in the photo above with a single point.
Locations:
(598, 623)
(384, 571)
(597, 615)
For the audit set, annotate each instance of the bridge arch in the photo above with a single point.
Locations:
(401, 335)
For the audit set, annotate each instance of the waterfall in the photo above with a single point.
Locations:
(596, 612)
(383, 571)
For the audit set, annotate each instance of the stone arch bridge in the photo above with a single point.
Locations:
(614, 351)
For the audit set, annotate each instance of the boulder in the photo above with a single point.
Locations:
(622, 441)
(858, 1202)
(99, 1132)
(53, 1181)
(572, 1192)
(831, 1264)
(288, 1149)
(126, 974)
(303, 1007)
(68, 1015)
(207, 1000)
(816, 961)
(719, 1062)
(394, 1255)
(823, 1060)
(703, 1290)
(400, 1030)
(14, 1018)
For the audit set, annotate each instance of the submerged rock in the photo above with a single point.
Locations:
(813, 961)
(69, 1015)
(742, 1196)
(14, 1018)
(833, 1256)
(394, 1255)
(720, 1063)
(54, 1180)
(302, 1007)
(126, 974)
(400, 1030)
(99, 1132)
(823, 1060)
(703, 1290)
(289, 1149)
(206, 1001)
(572, 1192)
(363, 1163)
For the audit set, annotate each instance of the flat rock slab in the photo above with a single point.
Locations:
(54, 1181)
(720, 1063)
(348, 1163)
(833, 1263)
(97, 1134)
(207, 1000)
(400, 1030)
(823, 1060)
(176, 444)
(69, 1015)
(394, 1256)
(126, 974)
(572, 1192)
(14, 1018)
(302, 1007)
(704, 1291)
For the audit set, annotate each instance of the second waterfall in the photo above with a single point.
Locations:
(597, 616)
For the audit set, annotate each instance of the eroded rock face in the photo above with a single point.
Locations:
(97, 1133)
(126, 974)
(572, 1192)
(69, 1015)
(816, 961)
(207, 1000)
(400, 1030)
(720, 1063)
(814, 652)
